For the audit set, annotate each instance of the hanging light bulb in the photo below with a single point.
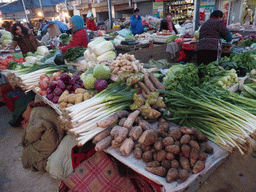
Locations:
(40, 14)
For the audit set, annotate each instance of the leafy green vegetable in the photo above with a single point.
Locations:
(89, 81)
(248, 42)
(64, 38)
(160, 64)
(12, 65)
(181, 75)
(101, 71)
(73, 53)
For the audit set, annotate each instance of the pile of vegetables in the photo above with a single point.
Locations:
(126, 63)
(226, 118)
(171, 153)
(96, 77)
(10, 62)
(247, 41)
(82, 119)
(171, 38)
(249, 90)
(98, 50)
(164, 32)
(181, 75)
(6, 38)
(64, 38)
(160, 64)
(73, 53)
(33, 58)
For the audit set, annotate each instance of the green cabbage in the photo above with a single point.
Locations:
(42, 50)
(31, 59)
(108, 55)
(101, 71)
(181, 75)
(89, 81)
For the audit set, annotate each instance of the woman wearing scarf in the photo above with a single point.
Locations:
(210, 34)
(24, 38)
(79, 37)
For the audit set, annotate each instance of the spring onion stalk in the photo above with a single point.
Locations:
(217, 115)
(88, 135)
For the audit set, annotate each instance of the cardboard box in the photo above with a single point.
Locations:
(53, 30)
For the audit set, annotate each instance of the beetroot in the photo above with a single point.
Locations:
(72, 82)
(69, 87)
(57, 91)
(50, 96)
(48, 91)
(100, 84)
(55, 99)
(65, 77)
(52, 85)
(76, 86)
(61, 84)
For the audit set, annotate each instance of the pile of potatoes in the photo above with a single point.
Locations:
(173, 153)
(69, 99)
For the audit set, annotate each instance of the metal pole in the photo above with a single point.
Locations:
(110, 14)
(40, 2)
(196, 14)
(25, 10)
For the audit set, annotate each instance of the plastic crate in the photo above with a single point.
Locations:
(10, 96)
(3, 88)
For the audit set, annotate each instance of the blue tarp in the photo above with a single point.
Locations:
(30, 4)
(61, 26)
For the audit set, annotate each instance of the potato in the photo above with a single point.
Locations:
(137, 153)
(122, 114)
(135, 133)
(144, 124)
(186, 130)
(147, 156)
(63, 105)
(108, 121)
(184, 163)
(138, 145)
(164, 126)
(194, 155)
(71, 98)
(201, 137)
(119, 133)
(175, 164)
(148, 137)
(167, 141)
(158, 145)
(153, 151)
(104, 143)
(184, 139)
(86, 96)
(69, 105)
(145, 147)
(101, 135)
(175, 133)
(80, 90)
(153, 164)
(131, 118)
(121, 122)
(166, 164)
(183, 175)
(116, 144)
(162, 134)
(63, 97)
(185, 149)
(126, 147)
(172, 175)
(203, 156)
(170, 156)
(177, 143)
(199, 166)
(161, 155)
(194, 145)
(175, 149)
(203, 147)
(78, 98)
(209, 149)
(161, 171)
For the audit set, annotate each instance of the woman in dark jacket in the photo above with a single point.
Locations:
(210, 34)
(167, 24)
(24, 38)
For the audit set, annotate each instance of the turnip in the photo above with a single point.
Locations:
(61, 85)
(52, 85)
(100, 84)
(57, 91)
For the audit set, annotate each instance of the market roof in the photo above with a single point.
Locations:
(30, 4)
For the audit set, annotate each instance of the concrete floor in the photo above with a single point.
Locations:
(237, 174)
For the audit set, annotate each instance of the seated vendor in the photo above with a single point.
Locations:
(167, 24)
(79, 37)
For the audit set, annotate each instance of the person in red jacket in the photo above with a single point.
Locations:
(91, 25)
(79, 37)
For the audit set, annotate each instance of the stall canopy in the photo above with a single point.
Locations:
(30, 4)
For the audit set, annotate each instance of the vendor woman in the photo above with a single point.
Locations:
(210, 34)
(79, 37)
(167, 24)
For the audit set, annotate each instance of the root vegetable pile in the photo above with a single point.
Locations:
(170, 153)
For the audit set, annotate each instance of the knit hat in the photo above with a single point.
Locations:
(78, 22)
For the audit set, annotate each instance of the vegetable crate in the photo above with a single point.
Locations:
(3, 88)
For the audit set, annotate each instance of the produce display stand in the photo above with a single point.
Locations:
(127, 48)
(192, 184)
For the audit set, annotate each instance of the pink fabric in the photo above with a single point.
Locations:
(170, 26)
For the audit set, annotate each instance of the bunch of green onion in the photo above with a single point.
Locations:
(84, 116)
(221, 119)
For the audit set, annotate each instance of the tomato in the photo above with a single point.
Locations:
(3, 67)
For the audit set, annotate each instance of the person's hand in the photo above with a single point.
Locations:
(12, 51)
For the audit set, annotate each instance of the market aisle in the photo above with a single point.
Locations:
(13, 177)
